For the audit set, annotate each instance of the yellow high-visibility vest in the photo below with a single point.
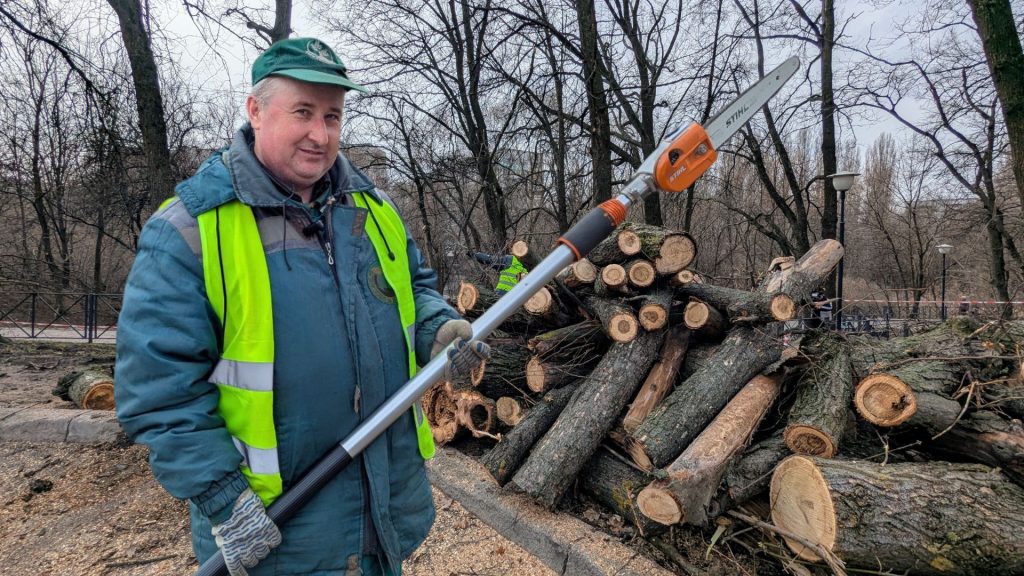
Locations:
(238, 287)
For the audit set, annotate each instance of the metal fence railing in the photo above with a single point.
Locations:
(60, 315)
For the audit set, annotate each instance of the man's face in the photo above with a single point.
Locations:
(297, 131)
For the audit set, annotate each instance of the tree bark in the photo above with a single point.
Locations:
(505, 373)
(568, 341)
(660, 379)
(807, 274)
(558, 457)
(694, 477)
(474, 412)
(622, 244)
(742, 305)
(684, 414)
(504, 459)
(749, 475)
(439, 407)
(597, 101)
(999, 38)
(819, 412)
(670, 251)
(926, 518)
(579, 273)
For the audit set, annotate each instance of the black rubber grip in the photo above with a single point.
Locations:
(588, 232)
(291, 501)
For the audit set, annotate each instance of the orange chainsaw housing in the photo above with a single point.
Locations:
(685, 159)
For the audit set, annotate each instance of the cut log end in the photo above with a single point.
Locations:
(684, 277)
(802, 505)
(696, 315)
(520, 249)
(658, 504)
(677, 252)
(508, 410)
(99, 397)
(810, 441)
(467, 297)
(641, 274)
(474, 412)
(584, 272)
(623, 327)
(783, 307)
(540, 303)
(884, 400)
(653, 317)
(536, 376)
(614, 276)
(629, 242)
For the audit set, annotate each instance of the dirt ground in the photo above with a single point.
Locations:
(69, 509)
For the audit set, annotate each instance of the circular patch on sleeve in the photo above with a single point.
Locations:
(379, 285)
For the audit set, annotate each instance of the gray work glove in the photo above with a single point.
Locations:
(247, 536)
(465, 355)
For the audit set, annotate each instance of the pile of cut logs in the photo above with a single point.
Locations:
(670, 400)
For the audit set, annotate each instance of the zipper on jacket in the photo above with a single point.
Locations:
(326, 238)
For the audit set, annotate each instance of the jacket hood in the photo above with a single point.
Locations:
(234, 173)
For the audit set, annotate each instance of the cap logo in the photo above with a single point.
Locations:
(317, 51)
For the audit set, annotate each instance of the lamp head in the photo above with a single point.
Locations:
(843, 181)
(943, 249)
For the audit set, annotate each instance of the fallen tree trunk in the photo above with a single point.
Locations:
(617, 247)
(660, 379)
(741, 305)
(505, 457)
(819, 412)
(684, 414)
(544, 304)
(543, 375)
(694, 477)
(892, 397)
(984, 437)
(807, 273)
(557, 458)
(749, 475)
(671, 251)
(568, 340)
(927, 518)
(89, 389)
(615, 484)
(504, 374)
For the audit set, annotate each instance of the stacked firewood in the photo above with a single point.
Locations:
(671, 401)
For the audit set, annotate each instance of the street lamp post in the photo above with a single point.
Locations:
(841, 181)
(943, 249)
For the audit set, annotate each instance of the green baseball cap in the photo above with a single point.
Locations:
(305, 59)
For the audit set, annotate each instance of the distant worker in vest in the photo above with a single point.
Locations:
(822, 308)
(275, 302)
(510, 269)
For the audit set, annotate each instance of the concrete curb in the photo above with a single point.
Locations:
(565, 544)
(56, 425)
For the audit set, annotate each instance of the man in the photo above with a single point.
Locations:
(822, 309)
(274, 303)
(510, 269)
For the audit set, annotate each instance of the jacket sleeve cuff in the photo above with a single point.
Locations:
(219, 499)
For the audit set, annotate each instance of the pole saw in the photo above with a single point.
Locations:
(683, 156)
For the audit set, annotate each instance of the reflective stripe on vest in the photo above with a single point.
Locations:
(509, 277)
(233, 257)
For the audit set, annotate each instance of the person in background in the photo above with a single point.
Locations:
(822, 308)
(965, 306)
(511, 270)
(275, 302)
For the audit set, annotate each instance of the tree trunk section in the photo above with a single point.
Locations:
(809, 272)
(819, 412)
(528, 256)
(694, 477)
(684, 414)
(660, 379)
(891, 397)
(983, 437)
(618, 320)
(441, 412)
(474, 412)
(741, 305)
(707, 322)
(925, 518)
(640, 273)
(749, 475)
(585, 335)
(685, 278)
(654, 310)
(504, 459)
(580, 273)
(620, 246)
(669, 250)
(615, 484)
(88, 389)
(594, 407)
(509, 411)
